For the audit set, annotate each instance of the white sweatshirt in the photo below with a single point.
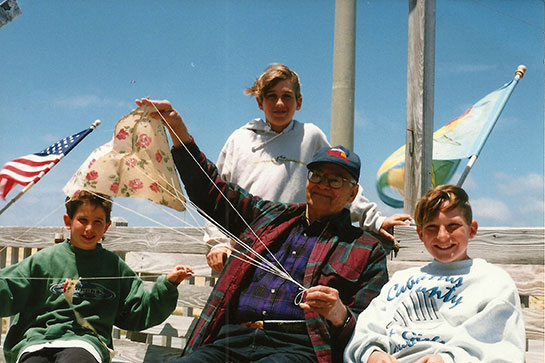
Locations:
(272, 166)
(466, 311)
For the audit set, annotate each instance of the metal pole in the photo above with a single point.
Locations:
(344, 54)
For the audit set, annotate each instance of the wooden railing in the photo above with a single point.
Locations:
(155, 250)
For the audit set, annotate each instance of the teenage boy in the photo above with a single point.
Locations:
(455, 309)
(267, 157)
(69, 296)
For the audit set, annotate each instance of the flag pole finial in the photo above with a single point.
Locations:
(519, 73)
(95, 124)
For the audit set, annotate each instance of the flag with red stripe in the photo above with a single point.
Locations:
(32, 167)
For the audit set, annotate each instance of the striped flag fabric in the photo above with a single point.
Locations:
(30, 168)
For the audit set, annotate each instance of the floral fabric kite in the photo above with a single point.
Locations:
(135, 163)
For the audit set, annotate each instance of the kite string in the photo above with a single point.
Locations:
(218, 189)
(265, 264)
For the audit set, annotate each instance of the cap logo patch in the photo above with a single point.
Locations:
(338, 153)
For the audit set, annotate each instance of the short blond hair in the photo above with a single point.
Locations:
(274, 73)
(442, 198)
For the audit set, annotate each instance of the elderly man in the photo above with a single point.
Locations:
(254, 315)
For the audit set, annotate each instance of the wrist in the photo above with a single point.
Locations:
(344, 323)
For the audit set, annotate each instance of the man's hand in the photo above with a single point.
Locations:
(179, 274)
(325, 301)
(175, 124)
(217, 256)
(380, 357)
(431, 358)
(400, 219)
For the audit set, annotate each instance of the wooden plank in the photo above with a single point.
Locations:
(163, 263)
(176, 326)
(534, 323)
(528, 278)
(419, 107)
(159, 239)
(535, 352)
(194, 296)
(496, 245)
(156, 239)
(132, 352)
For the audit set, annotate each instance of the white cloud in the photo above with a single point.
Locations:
(492, 209)
(530, 183)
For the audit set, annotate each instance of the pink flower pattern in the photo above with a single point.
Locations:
(154, 187)
(122, 134)
(158, 156)
(143, 140)
(136, 184)
(131, 162)
(114, 187)
(92, 175)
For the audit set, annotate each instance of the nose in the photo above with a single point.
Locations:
(279, 102)
(442, 233)
(324, 183)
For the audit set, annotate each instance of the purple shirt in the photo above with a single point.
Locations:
(271, 297)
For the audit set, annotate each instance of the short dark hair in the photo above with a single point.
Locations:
(443, 197)
(97, 199)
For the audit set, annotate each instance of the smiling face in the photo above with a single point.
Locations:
(324, 201)
(279, 104)
(447, 234)
(87, 226)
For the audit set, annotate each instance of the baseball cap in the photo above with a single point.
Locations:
(338, 155)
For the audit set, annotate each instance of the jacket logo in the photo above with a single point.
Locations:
(85, 290)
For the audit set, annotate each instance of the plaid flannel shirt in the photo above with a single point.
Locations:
(344, 257)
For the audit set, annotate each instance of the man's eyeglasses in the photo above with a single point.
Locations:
(333, 181)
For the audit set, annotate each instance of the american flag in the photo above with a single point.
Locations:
(30, 168)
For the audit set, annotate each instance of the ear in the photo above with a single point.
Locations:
(67, 221)
(299, 103)
(107, 226)
(473, 227)
(419, 232)
(354, 193)
(259, 103)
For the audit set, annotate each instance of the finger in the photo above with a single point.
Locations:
(386, 234)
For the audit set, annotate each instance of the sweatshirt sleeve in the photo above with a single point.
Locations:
(366, 213)
(15, 288)
(143, 309)
(212, 235)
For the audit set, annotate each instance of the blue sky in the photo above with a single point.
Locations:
(68, 63)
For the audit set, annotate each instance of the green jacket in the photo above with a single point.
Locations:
(44, 315)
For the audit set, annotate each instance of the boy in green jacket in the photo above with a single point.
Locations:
(69, 296)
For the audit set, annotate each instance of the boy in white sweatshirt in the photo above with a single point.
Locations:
(268, 157)
(455, 309)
